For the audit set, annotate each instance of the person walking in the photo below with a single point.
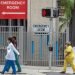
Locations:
(16, 56)
(68, 57)
(10, 56)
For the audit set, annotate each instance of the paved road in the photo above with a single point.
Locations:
(56, 73)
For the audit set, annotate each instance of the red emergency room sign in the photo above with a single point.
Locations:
(13, 9)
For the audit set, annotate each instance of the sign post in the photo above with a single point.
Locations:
(50, 13)
(50, 42)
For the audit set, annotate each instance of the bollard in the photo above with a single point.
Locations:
(50, 56)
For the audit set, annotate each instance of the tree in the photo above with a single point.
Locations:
(68, 6)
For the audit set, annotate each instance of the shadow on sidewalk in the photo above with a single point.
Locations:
(56, 73)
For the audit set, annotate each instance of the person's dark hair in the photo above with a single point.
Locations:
(14, 41)
(14, 37)
(10, 39)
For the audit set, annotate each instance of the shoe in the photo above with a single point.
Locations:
(74, 73)
(62, 72)
(19, 71)
(1, 72)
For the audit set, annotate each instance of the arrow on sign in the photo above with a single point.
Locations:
(4, 13)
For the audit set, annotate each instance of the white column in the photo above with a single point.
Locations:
(21, 44)
(29, 31)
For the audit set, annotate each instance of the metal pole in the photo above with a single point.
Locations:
(40, 49)
(54, 4)
(24, 25)
(10, 29)
(51, 30)
(50, 59)
(50, 39)
(50, 42)
(18, 22)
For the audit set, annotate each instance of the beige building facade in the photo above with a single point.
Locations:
(40, 50)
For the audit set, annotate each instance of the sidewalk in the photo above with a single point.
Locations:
(35, 70)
